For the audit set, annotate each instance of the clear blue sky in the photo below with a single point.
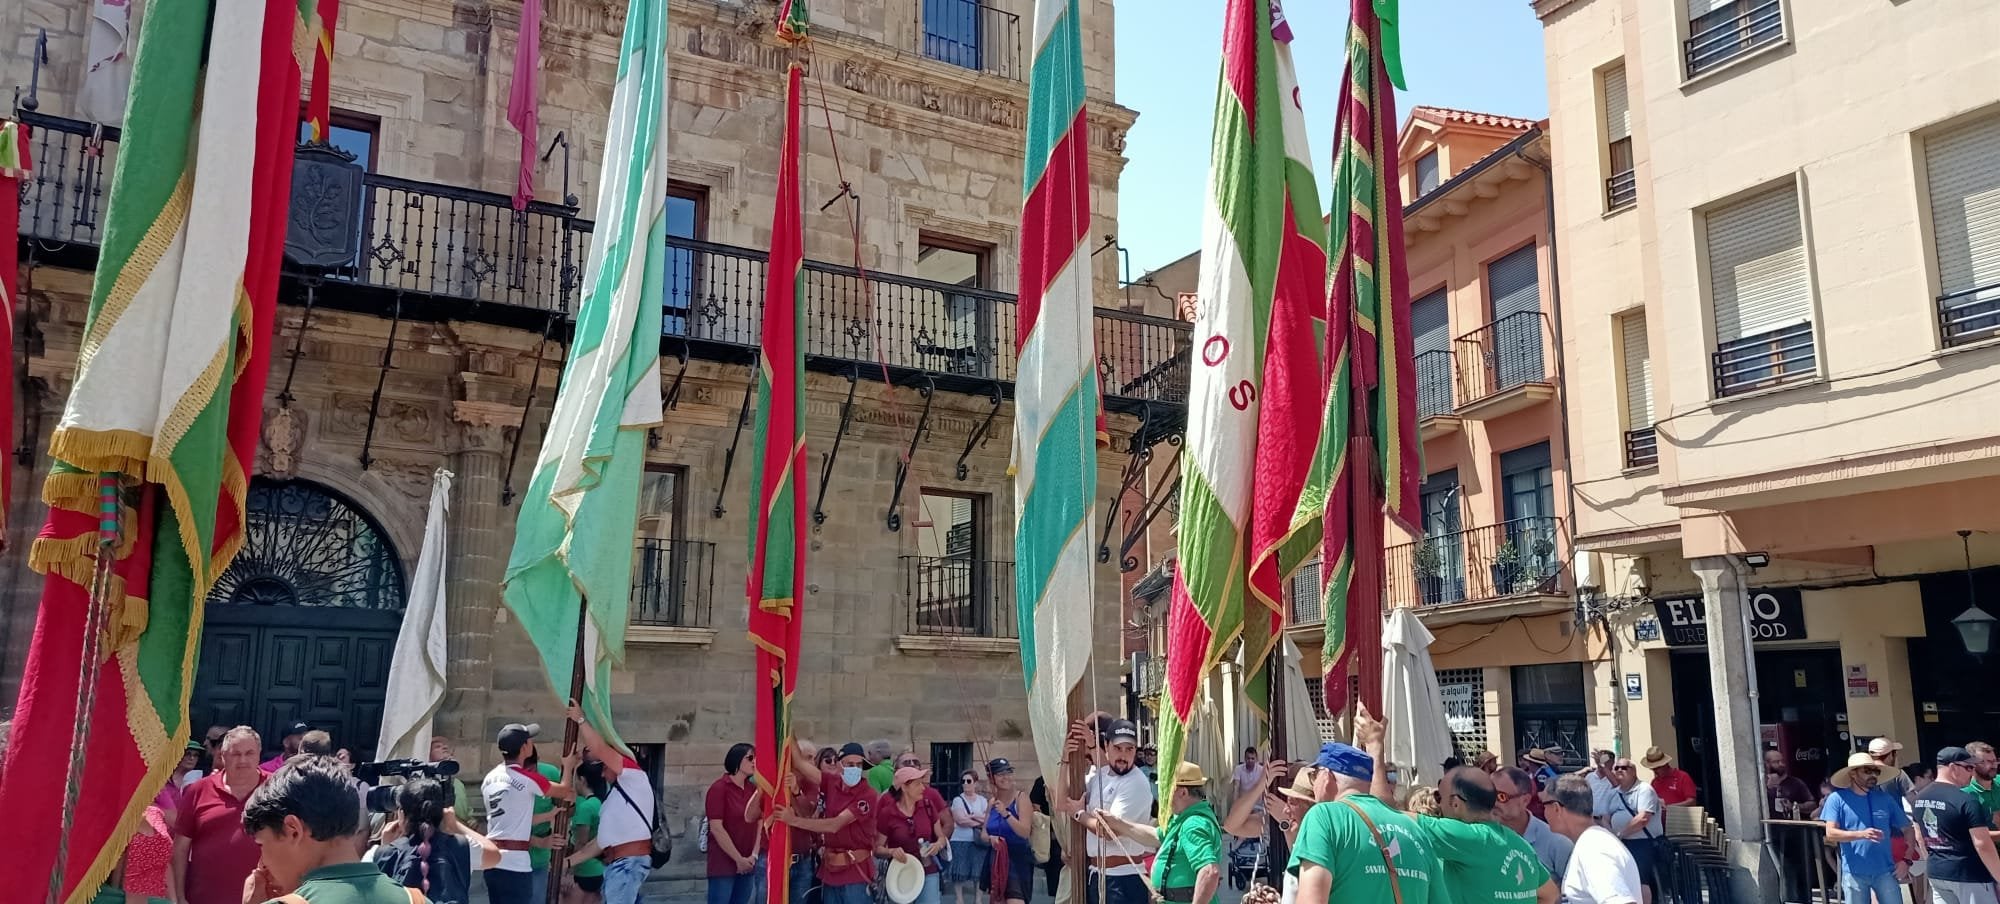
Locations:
(1481, 55)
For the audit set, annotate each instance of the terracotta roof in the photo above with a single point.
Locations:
(1447, 114)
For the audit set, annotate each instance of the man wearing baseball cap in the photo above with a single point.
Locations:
(288, 747)
(1358, 849)
(1957, 834)
(1115, 786)
(510, 791)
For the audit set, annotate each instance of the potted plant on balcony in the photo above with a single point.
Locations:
(1429, 561)
(1516, 572)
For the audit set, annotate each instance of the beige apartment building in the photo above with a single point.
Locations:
(425, 348)
(1780, 232)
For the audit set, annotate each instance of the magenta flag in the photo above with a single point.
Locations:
(524, 101)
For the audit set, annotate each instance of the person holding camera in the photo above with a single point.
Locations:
(425, 847)
(303, 819)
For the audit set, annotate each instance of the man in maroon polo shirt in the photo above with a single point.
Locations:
(212, 853)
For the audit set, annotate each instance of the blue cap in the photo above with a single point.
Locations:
(1346, 759)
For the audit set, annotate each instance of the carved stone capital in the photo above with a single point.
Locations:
(485, 414)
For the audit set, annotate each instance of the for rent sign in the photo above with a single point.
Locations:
(1776, 614)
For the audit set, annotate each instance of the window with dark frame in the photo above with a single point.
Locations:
(666, 566)
(953, 588)
(1621, 188)
(1427, 173)
(354, 133)
(949, 761)
(953, 32)
(687, 218)
(957, 335)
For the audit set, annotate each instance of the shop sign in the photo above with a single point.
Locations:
(1775, 615)
(1461, 707)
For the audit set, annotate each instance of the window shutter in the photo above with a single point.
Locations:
(1699, 8)
(1430, 323)
(1757, 266)
(1617, 107)
(1511, 280)
(1964, 166)
(1638, 372)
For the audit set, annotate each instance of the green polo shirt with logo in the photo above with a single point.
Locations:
(1484, 863)
(1337, 839)
(350, 883)
(1191, 840)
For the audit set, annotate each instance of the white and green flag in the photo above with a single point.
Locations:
(571, 569)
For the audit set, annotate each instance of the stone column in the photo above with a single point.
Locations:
(480, 533)
(1733, 678)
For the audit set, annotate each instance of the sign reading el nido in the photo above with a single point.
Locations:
(1775, 615)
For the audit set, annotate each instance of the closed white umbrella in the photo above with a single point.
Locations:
(1417, 737)
(1302, 735)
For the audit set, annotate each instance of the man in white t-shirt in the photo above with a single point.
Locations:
(1604, 791)
(1601, 870)
(1638, 819)
(625, 823)
(1118, 787)
(510, 791)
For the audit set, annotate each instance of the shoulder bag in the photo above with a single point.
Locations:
(661, 853)
(1382, 845)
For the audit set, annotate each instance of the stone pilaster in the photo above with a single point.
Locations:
(480, 533)
(1733, 677)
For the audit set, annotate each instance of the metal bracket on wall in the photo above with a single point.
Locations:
(929, 390)
(527, 409)
(742, 416)
(1157, 500)
(1134, 476)
(312, 284)
(827, 458)
(381, 379)
(672, 400)
(979, 435)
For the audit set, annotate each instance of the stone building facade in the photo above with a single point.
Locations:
(443, 340)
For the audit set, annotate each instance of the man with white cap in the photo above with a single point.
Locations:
(510, 791)
(1884, 751)
(1861, 818)
(1957, 833)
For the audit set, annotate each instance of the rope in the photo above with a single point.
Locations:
(86, 707)
(853, 221)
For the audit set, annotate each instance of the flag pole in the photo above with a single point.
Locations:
(86, 707)
(1277, 852)
(559, 830)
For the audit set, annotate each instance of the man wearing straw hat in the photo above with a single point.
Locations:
(1861, 818)
(1674, 786)
(1189, 866)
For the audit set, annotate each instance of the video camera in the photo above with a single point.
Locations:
(383, 799)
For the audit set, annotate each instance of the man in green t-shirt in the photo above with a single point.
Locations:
(1346, 848)
(545, 815)
(882, 769)
(1484, 862)
(1188, 867)
(1983, 789)
(589, 871)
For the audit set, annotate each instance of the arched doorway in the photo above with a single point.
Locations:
(302, 625)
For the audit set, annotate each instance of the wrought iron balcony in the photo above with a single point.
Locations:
(1303, 592)
(1730, 30)
(451, 251)
(973, 35)
(1642, 447)
(1149, 678)
(955, 597)
(715, 296)
(1434, 377)
(673, 583)
(1969, 316)
(1621, 190)
(1523, 557)
(1503, 355)
(1774, 358)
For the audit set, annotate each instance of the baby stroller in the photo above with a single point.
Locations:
(1246, 864)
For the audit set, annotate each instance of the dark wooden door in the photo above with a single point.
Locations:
(269, 666)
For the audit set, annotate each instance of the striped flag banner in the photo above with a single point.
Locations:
(158, 434)
(1056, 392)
(14, 166)
(777, 577)
(1247, 459)
(1370, 429)
(573, 541)
(319, 97)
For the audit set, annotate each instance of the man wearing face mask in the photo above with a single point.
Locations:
(847, 860)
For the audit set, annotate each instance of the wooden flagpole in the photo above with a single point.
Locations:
(559, 830)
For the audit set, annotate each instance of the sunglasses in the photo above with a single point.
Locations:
(1625, 768)
(911, 763)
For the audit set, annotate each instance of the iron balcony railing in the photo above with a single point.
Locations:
(1730, 30)
(1621, 190)
(1149, 677)
(1434, 378)
(1773, 358)
(973, 35)
(1969, 316)
(1501, 355)
(1303, 593)
(1642, 447)
(956, 597)
(1522, 557)
(455, 243)
(441, 240)
(715, 293)
(673, 583)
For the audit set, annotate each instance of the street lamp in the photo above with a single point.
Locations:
(1974, 625)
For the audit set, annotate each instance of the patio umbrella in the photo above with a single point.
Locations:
(1302, 733)
(1418, 739)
